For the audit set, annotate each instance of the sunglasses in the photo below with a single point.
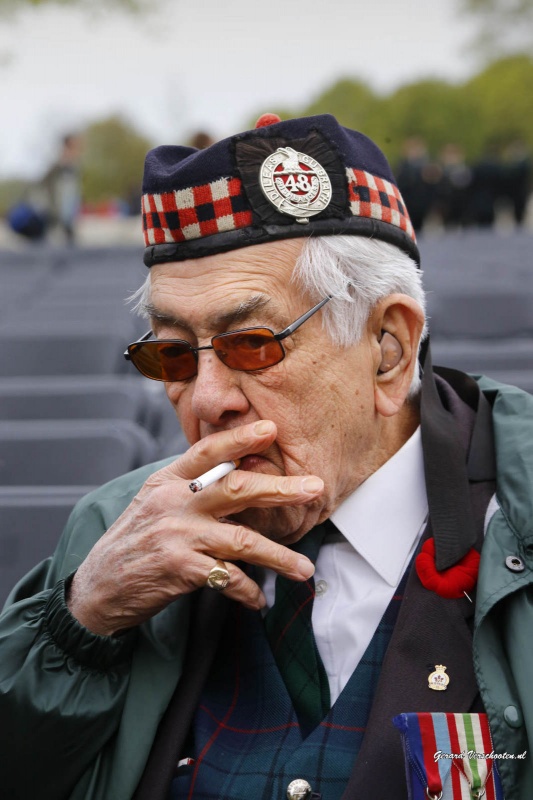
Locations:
(249, 349)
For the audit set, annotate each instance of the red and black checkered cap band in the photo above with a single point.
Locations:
(221, 206)
(195, 212)
(377, 198)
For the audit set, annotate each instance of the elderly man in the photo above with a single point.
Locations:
(177, 644)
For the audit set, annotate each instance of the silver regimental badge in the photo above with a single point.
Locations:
(295, 183)
(438, 680)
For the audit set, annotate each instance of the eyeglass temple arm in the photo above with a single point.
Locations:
(300, 321)
(144, 338)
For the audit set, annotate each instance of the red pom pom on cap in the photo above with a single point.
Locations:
(450, 583)
(267, 119)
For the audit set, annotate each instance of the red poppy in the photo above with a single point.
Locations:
(450, 583)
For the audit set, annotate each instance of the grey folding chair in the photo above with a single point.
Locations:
(481, 314)
(71, 452)
(484, 356)
(62, 350)
(76, 397)
(31, 522)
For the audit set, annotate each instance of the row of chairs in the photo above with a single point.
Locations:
(479, 288)
(31, 519)
(73, 413)
(46, 413)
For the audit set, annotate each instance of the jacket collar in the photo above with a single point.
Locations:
(452, 447)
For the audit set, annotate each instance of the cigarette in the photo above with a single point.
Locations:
(213, 475)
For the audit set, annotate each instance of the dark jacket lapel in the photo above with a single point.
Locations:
(207, 623)
(430, 629)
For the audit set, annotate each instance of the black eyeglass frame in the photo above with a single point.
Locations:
(288, 331)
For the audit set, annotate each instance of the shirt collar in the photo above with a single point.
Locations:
(383, 518)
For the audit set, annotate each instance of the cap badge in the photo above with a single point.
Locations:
(295, 183)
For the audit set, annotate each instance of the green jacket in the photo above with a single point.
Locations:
(78, 712)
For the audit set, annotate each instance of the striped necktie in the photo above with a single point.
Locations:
(290, 633)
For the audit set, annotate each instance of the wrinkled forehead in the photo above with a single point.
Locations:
(239, 282)
(272, 262)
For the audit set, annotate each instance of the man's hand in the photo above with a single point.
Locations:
(168, 539)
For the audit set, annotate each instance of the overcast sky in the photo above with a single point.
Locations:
(208, 64)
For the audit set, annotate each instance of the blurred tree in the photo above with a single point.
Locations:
(501, 9)
(493, 108)
(501, 103)
(503, 24)
(431, 109)
(352, 102)
(113, 160)
(428, 108)
(89, 5)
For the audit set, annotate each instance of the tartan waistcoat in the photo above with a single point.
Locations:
(246, 737)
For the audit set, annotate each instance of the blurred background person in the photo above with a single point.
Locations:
(454, 186)
(417, 178)
(201, 140)
(516, 179)
(62, 187)
(485, 188)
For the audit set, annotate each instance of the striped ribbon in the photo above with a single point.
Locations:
(468, 775)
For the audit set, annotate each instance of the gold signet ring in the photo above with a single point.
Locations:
(218, 577)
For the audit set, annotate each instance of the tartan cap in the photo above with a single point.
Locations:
(298, 178)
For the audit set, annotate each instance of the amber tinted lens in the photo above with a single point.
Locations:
(164, 361)
(251, 349)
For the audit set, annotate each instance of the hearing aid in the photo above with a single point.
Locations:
(391, 352)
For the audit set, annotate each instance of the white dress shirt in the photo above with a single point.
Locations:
(356, 579)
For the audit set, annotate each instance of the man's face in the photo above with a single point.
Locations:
(320, 397)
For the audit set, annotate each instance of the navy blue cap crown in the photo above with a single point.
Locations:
(303, 177)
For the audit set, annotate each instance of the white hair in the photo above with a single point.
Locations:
(357, 271)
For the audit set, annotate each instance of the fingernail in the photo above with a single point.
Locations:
(263, 427)
(257, 603)
(306, 568)
(312, 485)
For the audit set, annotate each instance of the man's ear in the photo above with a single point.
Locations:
(395, 328)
